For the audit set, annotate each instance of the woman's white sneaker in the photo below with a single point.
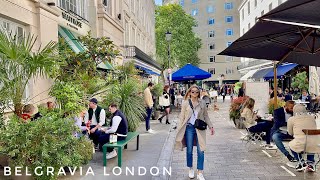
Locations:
(200, 176)
(191, 173)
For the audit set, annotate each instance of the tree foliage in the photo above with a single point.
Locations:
(301, 81)
(21, 60)
(184, 43)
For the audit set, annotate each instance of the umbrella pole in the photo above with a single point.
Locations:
(275, 85)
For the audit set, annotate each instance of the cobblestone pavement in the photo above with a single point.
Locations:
(228, 158)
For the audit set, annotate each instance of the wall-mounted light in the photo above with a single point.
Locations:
(51, 4)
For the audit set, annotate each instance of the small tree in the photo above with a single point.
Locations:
(184, 44)
(301, 81)
(19, 62)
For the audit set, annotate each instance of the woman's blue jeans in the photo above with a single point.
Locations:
(189, 136)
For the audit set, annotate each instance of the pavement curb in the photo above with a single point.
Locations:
(165, 159)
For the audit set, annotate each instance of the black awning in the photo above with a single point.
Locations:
(133, 51)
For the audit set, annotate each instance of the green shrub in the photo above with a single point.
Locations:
(46, 142)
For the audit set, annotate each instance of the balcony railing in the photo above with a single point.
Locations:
(77, 7)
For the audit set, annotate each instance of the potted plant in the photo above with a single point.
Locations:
(125, 94)
(46, 142)
(300, 81)
(234, 112)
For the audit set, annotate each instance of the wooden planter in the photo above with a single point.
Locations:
(4, 160)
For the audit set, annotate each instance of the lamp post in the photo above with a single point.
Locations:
(168, 39)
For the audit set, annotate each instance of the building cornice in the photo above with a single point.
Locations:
(53, 10)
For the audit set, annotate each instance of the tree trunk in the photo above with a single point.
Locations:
(18, 109)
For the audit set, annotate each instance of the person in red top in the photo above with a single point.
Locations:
(27, 112)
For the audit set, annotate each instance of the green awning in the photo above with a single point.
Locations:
(77, 47)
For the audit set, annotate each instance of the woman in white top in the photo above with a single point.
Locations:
(251, 123)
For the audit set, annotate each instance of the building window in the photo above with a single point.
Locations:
(210, 9)
(211, 34)
(211, 46)
(229, 59)
(249, 26)
(229, 70)
(194, 12)
(182, 3)
(228, 6)
(212, 70)
(243, 31)
(229, 19)
(6, 26)
(255, 3)
(242, 14)
(270, 6)
(77, 7)
(210, 21)
(194, 1)
(279, 2)
(262, 13)
(256, 19)
(229, 43)
(212, 59)
(249, 7)
(229, 32)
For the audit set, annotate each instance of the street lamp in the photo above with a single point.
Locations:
(168, 39)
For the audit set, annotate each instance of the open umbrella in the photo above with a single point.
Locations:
(296, 11)
(190, 72)
(278, 42)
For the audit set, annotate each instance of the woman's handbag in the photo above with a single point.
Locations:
(199, 124)
(163, 101)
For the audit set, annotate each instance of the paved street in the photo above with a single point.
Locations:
(228, 158)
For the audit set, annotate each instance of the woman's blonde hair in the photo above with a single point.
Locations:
(250, 103)
(188, 93)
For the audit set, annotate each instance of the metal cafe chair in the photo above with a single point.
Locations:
(252, 138)
(308, 133)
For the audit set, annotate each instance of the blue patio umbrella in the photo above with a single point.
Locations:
(190, 72)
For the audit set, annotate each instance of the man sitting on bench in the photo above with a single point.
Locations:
(96, 117)
(118, 125)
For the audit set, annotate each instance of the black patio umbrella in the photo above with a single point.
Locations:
(296, 11)
(278, 42)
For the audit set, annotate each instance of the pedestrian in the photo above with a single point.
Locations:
(165, 103)
(231, 92)
(96, 117)
(223, 91)
(193, 110)
(172, 95)
(148, 101)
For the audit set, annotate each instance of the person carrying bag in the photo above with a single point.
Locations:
(193, 122)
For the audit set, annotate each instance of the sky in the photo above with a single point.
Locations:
(158, 2)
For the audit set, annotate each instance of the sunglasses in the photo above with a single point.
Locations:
(193, 92)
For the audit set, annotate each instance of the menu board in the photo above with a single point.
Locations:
(259, 91)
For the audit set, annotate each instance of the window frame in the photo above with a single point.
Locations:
(229, 30)
(227, 17)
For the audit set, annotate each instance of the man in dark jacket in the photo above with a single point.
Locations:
(281, 116)
(118, 125)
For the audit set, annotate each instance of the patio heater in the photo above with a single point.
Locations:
(168, 39)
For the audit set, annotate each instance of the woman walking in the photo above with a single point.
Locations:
(166, 105)
(188, 135)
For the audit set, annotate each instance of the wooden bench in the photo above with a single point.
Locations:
(120, 145)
